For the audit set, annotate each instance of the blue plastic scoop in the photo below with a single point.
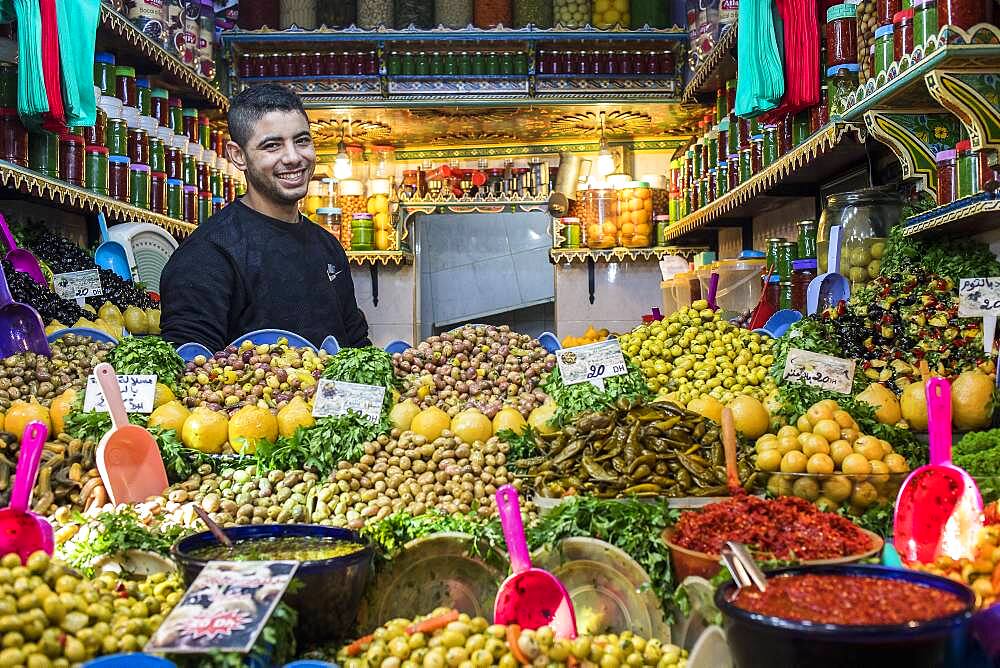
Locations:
(21, 328)
(21, 259)
(831, 287)
(111, 254)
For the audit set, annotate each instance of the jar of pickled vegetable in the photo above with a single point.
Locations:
(866, 216)
(947, 183)
(884, 48)
(118, 177)
(571, 13)
(95, 170)
(902, 33)
(490, 13)
(925, 21)
(419, 13)
(176, 108)
(175, 198)
(43, 153)
(13, 137)
(104, 72)
(649, 13)
(961, 13)
(599, 217)
(569, 227)
(143, 95)
(375, 13)
(536, 12)
(379, 206)
(635, 215)
(841, 35)
(362, 232)
(71, 158)
(800, 128)
(841, 82)
(611, 13)
(351, 200)
(139, 185)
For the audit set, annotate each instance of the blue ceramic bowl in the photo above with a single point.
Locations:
(761, 641)
(87, 332)
(188, 351)
(272, 336)
(330, 593)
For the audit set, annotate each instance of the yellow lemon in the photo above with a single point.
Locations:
(250, 424)
(170, 415)
(205, 430)
(162, 396)
(295, 414)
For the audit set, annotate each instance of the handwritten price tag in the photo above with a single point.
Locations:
(334, 397)
(137, 394)
(822, 371)
(979, 297)
(78, 284)
(225, 608)
(591, 363)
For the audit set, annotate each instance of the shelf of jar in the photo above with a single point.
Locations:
(971, 215)
(830, 151)
(267, 38)
(902, 85)
(621, 254)
(719, 66)
(117, 33)
(67, 197)
(384, 258)
(410, 207)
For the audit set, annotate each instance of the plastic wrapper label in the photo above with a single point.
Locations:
(78, 284)
(334, 397)
(979, 297)
(225, 608)
(823, 371)
(591, 363)
(137, 394)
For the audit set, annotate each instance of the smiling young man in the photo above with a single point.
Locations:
(258, 263)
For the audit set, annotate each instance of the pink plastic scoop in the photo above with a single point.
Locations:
(529, 597)
(22, 531)
(939, 508)
(128, 457)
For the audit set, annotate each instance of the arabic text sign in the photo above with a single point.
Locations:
(137, 394)
(78, 284)
(335, 397)
(592, 362)
(822, 371)
(979, 297)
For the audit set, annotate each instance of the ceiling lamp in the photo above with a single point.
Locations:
(605, 164)
(342, 163)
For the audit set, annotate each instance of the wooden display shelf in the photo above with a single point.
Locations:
(620, 254)
(718, 67)
(61, 195)
(828, 152)
(380, 257)
(116, 33)
(965, 217)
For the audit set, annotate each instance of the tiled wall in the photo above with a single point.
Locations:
(623, 293)
(395, 315)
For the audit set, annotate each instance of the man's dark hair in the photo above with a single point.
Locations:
(252, 104)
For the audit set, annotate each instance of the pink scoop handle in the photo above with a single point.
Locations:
(939, 421)
(108, 380)
(509, 508)
(713, 289)
(28, 462)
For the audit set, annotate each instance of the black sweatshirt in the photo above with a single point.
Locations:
(241, 271)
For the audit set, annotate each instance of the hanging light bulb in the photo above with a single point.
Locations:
(342, 163)
(605, 164)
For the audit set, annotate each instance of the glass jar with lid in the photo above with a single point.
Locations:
(570, 230)
(419, 13)
(536, 12)
(572, 13)
(841, 35)
(884, 49)
(658, 189)
(925, 22)
(841, 82)
(491, 13)
(314, 199)
(866, 217)
(125, 86)
(599, 217)
(382, 162)
(947, 181)
(329, 218)
(635, 215)
(13, 137)
(351, 200)
(380, 207)
(362, 232)
(71, 158)
(902, 33)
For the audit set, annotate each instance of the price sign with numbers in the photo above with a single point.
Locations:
(823, 371)
(591, 363)
(979, 297)
(78, 284)
(138, 393)
(335, 397)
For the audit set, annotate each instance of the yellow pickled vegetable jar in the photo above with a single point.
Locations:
(635, 215)
(599, 217)
(609, 13)
(380, 207)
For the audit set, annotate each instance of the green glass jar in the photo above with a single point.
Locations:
(215, 178)
(409, 65)
(204, 206)
(800, 128)
(786, 253)
(884, 48)
(746, 164)
(175, 198)
(507, 64)
(841, 82)
(464, 59)
(395, 65)
(722, 179)
(785, 291)
(699, 154)
(436, 64)
(479, 63)
(116, 136)
(362, 232)
(190, 170)
(493, 63)
(925, 21)
(713, 148)
(770, 144)
(139, 185)
(145, 96)
(157, 155)
(806, 239)
(450, 64)
(521, 63)
(423, 66)
(104, 72)
(967, 167)
(43, 153)
(95, 170)
(176, 115)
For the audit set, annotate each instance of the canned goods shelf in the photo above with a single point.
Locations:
(959, 218)
(117, 33)
(61, 195)
(380, 257)
(654, 254)
(718, 66)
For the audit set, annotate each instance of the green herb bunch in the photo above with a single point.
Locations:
(366, 366)
(574, 400)
(392, 533)
(121, 530)
(92, 425)
(142, 355)
(979, 454)
(321, 447)
(520, 446)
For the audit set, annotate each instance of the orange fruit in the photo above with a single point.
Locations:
(855, 464)
(820, 463)
(828, 429)
(793, 462)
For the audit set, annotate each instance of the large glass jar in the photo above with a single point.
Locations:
(329, 218)
(599, 217)
(382, 162)
(841, 82)
(336, 13)
(379, 206)
(610, 13)
(362, 232)
(841, 35)
(635, 215)
(315, 198)
(535, 12)
(351, 200)
(571, 13)
(652, 13)
(375, 13)
(490, 13)
(866, 217)
(419, 13)
(453, 13)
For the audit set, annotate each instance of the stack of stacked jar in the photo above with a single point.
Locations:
(842, 68)
(963, 172)
(790, 266)
(597, 63)
(516, 179)
(352, 63)
(457, 63)
(157, 154)
(184, 27)
(730, 149)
